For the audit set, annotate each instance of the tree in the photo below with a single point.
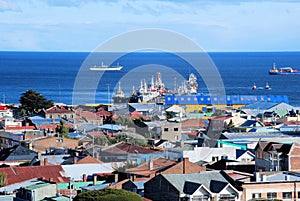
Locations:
(108, 194)
(62, 129)
(33, 102)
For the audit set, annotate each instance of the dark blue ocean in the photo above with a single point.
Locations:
(53, 74)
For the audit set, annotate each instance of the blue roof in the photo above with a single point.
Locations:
(228, 99)
(111, 127)
(260, 106)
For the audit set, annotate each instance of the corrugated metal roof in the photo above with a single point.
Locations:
(205, 178)
(76, 171)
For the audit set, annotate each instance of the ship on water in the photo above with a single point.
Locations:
(283, 71)
(104, 67)
(120, 96)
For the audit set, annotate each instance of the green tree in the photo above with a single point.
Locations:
(33, 102)
(108, 194)
(62, 129)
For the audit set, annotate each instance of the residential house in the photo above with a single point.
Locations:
(211, 185)
(269, 112)
(149, 169)
(184, 167)
(60, 111)
(276, 156)
(37, 191)
(15, 175)
(164, 130)
(87, 117)
(44, 144)
(127, 152)
(17, 154)
(209, 154)
(5, 111)
(273, 185)
(134, 186)
(149, 109)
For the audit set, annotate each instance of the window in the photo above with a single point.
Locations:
(271, 195)
(256, 195)
(287, 195)
(175, 129)
(166, 129)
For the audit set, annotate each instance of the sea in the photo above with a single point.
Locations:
(64, 77)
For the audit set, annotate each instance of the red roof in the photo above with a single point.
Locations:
(126, 148)
(19, 174)
(4, 107)
(58, 109)
(158, 165)
(19, 127)
(88, 160)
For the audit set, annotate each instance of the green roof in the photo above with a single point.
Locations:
(36, 186)
(76, 185)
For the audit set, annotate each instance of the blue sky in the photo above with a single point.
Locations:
(82, 25)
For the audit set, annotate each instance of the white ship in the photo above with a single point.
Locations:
(105, 67)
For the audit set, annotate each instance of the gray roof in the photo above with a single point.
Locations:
(21, 153)
(205, 178)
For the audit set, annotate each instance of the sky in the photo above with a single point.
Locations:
(83, 25)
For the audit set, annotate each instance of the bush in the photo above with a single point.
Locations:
(108, 194)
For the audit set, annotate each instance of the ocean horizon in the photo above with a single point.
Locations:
(53, 74)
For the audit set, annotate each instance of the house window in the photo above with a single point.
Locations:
(256, 195)
(166, 129)
(271, 195)
(287, 195)
(175, 129)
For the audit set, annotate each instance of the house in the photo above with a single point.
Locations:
(149, 109)
(165, 130)
(211, 185)
(60, 111)
(44, 144)
(37, 191)
(87, 117)
(268, 111)
(15, 175)
(9, 121)
(17, 153)
(184, 167)
(5, 111)
(150, 169)
(209, 154)
(276, 156)
(134, 186)
(273, 185)
(127, 152)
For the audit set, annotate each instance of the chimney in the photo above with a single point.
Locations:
(95, 180)
(184, 165)
(84, 178)
(75, 160)
(24, 135)
(39, 156)
(150, 164)
(46, 161)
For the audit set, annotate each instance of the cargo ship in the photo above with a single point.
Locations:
(104, 67)
(283, 71)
